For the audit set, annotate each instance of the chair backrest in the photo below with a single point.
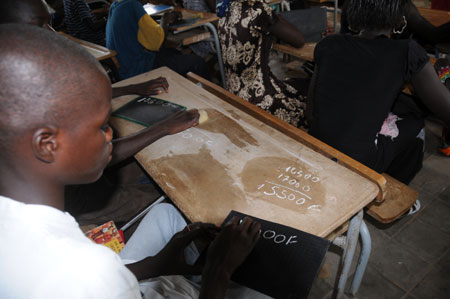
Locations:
(312, 22)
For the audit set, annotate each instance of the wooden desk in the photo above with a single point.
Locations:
(208, 17)
(99, 52)
(306, 52)
(435, 16)
(207, 21)
(234, 161)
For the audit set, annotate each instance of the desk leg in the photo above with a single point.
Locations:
(349, 251)
(218, 51)
(335, 14)
(143, 213)
(363, 258)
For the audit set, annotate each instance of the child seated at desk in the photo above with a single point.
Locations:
(358, 107)
(79, 198)
(415, 26)
(49, 139)
(82, 23)
(138, 41)
(245, 29)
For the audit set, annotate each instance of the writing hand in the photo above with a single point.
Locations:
(150, 87)
(181, 121)
(230, 248)
(170, 260)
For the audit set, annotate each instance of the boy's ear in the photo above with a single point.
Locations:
(44, 144)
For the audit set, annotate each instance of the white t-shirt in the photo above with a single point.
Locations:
(44, 254)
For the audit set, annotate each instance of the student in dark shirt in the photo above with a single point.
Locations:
(416, 26)
(82, 23)
(358, 107)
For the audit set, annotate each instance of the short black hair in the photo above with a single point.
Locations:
(372, 15)
(40, 72)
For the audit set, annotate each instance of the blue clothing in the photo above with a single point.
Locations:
(122, 36)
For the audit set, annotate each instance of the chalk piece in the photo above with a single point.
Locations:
(203, 116)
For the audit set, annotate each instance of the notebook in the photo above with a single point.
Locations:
(155, 9)
(284, 263)
(146, 110)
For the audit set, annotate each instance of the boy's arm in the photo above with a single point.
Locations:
(170, 260)
(228, 250)
(126, 147)
(150, 87)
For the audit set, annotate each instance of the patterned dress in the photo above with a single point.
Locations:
(246, 44)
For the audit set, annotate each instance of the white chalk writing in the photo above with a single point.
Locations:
(279, 238)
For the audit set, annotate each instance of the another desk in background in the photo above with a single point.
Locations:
(191, 34)
(236, 162)
(306, 52)
(99, 52)
(435, 16)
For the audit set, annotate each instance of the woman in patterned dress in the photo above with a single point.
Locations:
(245, 32)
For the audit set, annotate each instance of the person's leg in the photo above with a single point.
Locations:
(154, 232)
(181, 63)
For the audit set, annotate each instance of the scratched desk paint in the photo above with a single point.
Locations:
(235, 162)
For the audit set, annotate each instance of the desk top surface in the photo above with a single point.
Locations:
(99, 52)
(306, 52)
(234, 161)
(435, 16)
(208, 17)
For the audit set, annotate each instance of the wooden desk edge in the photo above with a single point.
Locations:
(208, 17)
(294, 133)
(108, 53)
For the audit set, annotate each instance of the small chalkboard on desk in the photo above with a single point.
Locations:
(284, 263)
(147, 111)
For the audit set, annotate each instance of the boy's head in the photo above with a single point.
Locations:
(33, 12)
(53, 119)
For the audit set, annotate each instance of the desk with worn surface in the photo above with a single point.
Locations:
(435, 16)
(234, 161)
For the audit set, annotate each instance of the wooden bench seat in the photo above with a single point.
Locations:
(394, 198)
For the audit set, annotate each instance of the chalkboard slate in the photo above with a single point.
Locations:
(311, 22)
(284, 263)
(147, 110)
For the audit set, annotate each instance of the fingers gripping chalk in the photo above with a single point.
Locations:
(203, 116)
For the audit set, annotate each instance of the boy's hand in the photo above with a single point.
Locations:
(230, 248)
(170, 260)
(151, 87)
(181, 121)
